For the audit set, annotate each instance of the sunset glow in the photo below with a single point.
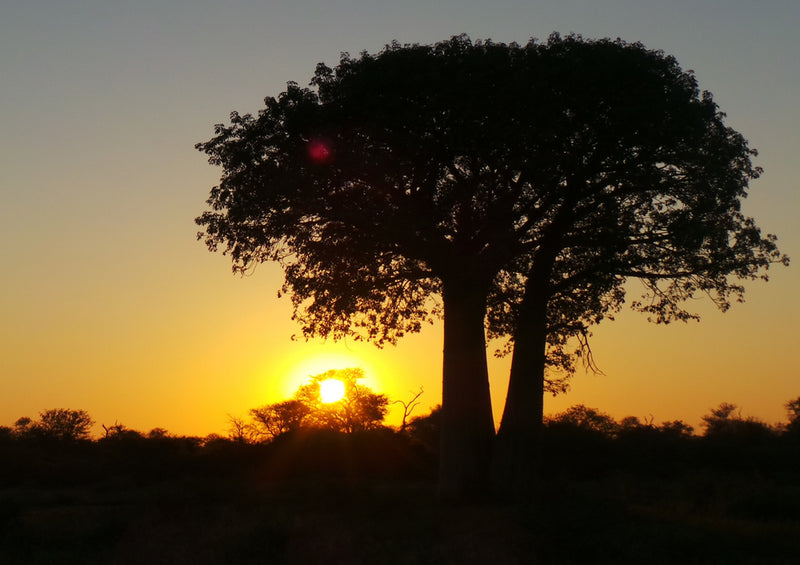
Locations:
(323, 361)
(109, 303)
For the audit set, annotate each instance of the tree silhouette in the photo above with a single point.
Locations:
(116, 430)
(158, 433)
(531, 181)
(586, 419)
(240, 430)
(359, 409)
(793, 412)
(279, 418)
(63, 424)
(408, 408)
(23, 426)
(676, 429)
(726, 423)
(648, 185)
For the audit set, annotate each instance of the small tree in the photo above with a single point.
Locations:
(676, 428)
(633, 427)
(408, 408)
(359, 409)
(793, 411)
(726, 422)
(585, 418)
(718, 422)
(22, 427)
(63, 424)
(241, 431)
(115, 430)
(276, 419)
(158, 433)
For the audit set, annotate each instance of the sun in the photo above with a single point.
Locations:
(304, 365)
(331, 390)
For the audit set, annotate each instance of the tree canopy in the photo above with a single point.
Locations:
(516, 187)
(60, 424)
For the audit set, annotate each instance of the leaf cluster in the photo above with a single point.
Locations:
(482, 162)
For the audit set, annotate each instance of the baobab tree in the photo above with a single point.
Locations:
(463, 179)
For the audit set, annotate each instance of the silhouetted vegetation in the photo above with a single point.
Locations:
(408, 408)
(793, 413)
(621, 492)
(424, 430)
(57, 424)
(514, 187)
(724, 423)
(359, 409)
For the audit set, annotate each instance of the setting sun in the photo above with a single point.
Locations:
(297, 366)
(331, 390)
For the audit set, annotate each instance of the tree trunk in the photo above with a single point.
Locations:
(517, 451)
(467, 424)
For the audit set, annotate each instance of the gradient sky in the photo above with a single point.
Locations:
(108, 303)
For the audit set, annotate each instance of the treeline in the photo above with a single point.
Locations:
(362, 410)
(580, 442)
(725, 422)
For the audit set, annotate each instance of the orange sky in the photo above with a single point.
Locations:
(108, 303)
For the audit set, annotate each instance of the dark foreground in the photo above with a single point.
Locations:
(371, 500)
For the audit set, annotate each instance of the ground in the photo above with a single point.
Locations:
(95, 505)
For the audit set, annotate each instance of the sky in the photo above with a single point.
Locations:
(109, 304)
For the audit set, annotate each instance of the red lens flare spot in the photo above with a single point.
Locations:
(320, 152)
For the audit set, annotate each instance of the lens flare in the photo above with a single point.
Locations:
(320, 152)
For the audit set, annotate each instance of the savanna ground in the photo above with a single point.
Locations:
(370, 499)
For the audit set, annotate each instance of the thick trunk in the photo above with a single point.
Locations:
(517, 450)
(467, 423)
